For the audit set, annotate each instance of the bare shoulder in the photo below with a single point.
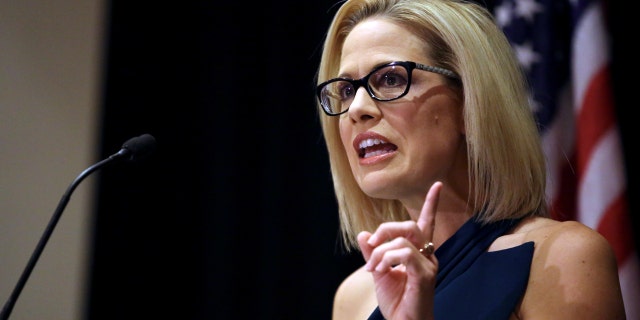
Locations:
(355, 297)
(567, 243)
(573, 273)
(560, 235)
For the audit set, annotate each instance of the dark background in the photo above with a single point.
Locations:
(234, 215)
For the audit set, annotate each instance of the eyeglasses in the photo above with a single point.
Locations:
(385, 83)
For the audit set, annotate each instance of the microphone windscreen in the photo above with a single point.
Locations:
(140, 147)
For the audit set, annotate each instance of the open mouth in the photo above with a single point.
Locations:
(374, 147)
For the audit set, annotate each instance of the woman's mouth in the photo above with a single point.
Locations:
(374, 147)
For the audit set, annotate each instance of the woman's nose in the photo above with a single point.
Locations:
(363, 106)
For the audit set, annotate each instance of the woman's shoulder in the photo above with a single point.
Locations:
(558, 241)
(355, 297)
(560, 235)
(573, 271)
(543, 232)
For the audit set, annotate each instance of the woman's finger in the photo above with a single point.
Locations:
(427, 219)
(365, 248)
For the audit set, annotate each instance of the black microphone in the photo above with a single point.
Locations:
(134, 149)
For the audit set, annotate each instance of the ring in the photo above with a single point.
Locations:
(428, 248)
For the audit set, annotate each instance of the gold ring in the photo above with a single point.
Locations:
(428, 248)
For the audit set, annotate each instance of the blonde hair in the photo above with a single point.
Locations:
(505, 158)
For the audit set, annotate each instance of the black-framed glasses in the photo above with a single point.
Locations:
(384, 83)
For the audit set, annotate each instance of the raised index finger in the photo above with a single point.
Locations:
(427, 219)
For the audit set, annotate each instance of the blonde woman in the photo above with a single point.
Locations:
(440, 177)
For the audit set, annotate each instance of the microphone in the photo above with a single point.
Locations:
(134, 149)
(137, 148)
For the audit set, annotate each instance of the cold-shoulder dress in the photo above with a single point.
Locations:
(473, 283)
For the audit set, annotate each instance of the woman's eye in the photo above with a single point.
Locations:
(346, 92)
(392, 80)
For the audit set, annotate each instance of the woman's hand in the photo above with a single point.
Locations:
(404, 277)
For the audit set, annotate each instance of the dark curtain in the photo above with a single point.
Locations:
(233, 216)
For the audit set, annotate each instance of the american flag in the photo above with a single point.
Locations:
(563, 45)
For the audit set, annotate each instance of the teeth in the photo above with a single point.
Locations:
(369, 143)
(375, 153)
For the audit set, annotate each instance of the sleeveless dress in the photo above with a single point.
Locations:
(473, 283)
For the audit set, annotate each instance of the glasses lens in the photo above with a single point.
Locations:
(336, 96)
(389, 82)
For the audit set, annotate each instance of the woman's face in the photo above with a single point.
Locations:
(421, 134)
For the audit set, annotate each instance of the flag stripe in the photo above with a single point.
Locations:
(595, 117)
(589, 48)
(610, 225)
(563, 204)
(602, 181)
(630, 285)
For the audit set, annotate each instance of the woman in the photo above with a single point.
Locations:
(432, 145)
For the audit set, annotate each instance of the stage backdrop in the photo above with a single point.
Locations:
(233, 216)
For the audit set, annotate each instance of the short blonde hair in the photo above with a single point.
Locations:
(505, 158)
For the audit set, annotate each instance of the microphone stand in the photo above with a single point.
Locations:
(145, 143)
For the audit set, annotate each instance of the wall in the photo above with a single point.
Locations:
(50, 53)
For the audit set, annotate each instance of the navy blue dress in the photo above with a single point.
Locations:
(473, 283)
